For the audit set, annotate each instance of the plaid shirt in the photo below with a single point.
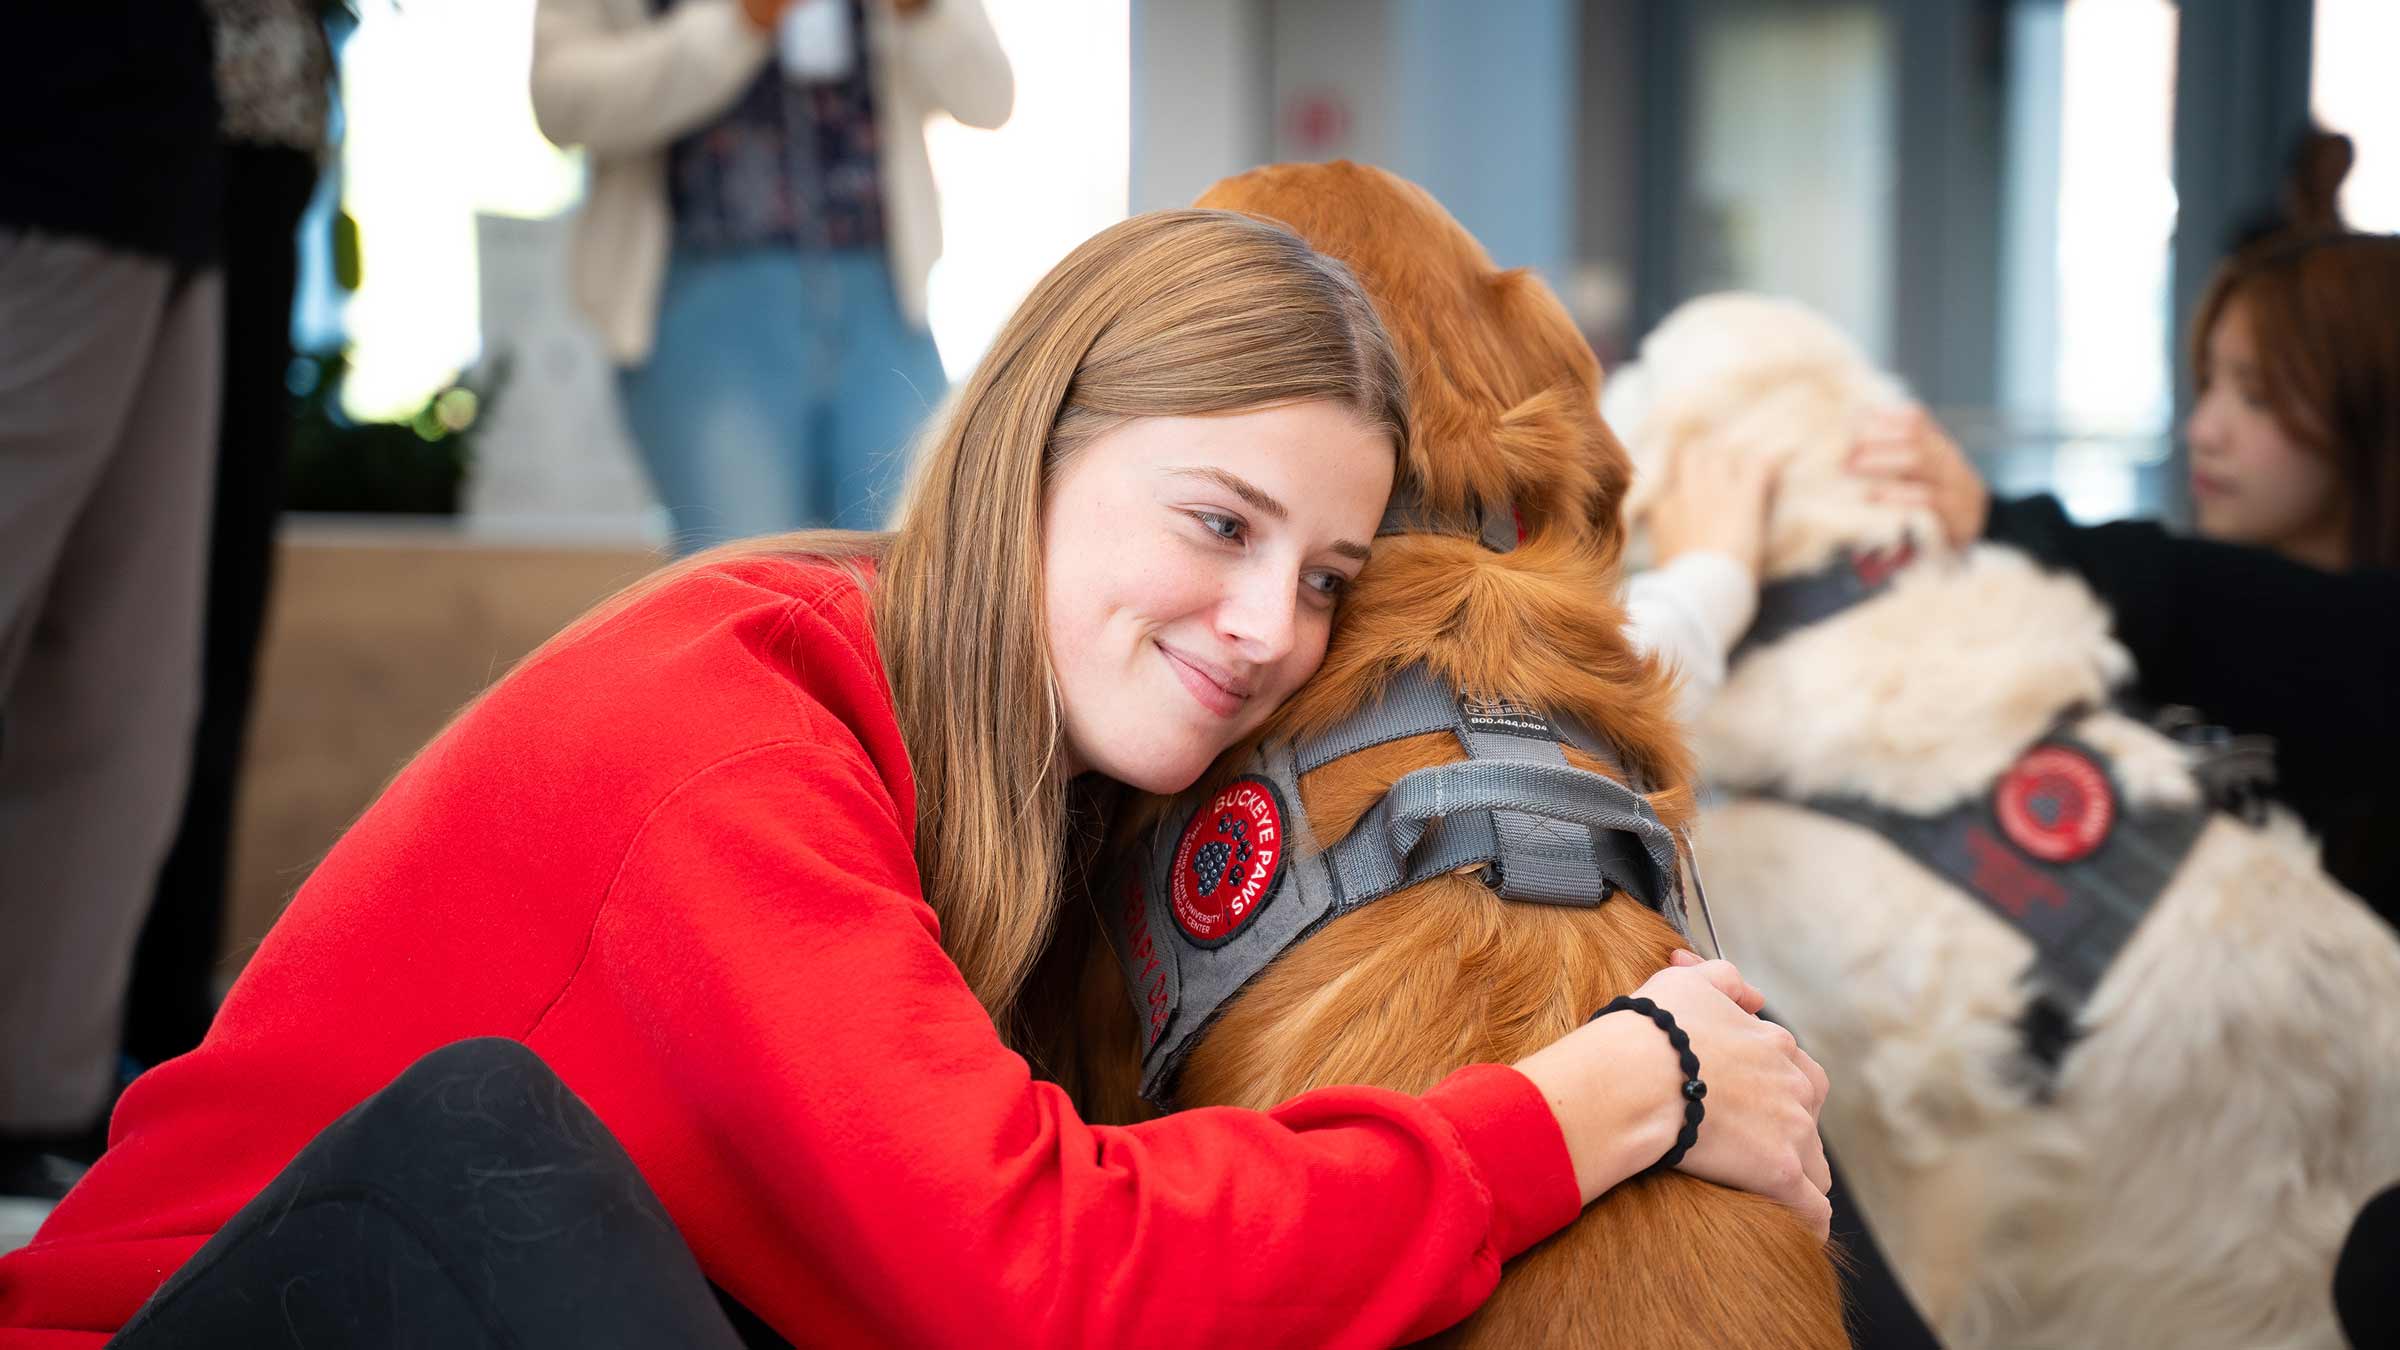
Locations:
(788, 165)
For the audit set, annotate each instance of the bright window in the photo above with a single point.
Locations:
(1016, 200)
(2351, 92)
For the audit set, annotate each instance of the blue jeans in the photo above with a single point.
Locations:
(782, 393)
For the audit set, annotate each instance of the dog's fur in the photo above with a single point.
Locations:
(1403, 991)
(2236, 1096)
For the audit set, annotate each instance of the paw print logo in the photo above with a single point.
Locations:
(1224, 859)
(1228, 861)
(1208, 865)
(2056, 804)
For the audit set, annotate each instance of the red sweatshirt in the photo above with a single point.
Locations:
(675, 859)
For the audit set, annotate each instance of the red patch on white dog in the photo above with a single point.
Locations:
(2055, 804)
(1228, 862)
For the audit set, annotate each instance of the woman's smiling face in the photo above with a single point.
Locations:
(1191, 568)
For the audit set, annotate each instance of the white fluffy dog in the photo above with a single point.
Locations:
(2183, 1175)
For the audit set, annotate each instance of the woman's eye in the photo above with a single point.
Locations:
(1328, 584)
(1224, 527)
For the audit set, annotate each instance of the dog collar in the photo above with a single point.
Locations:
(1498, 530)
(1789, 604)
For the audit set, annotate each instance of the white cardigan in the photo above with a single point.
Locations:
(623, 83)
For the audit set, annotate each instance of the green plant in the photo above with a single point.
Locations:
(416, 466)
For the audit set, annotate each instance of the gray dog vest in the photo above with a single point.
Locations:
(1230, 880)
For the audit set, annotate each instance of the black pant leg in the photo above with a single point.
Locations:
(172, 996)
(2366, 1281)
(1881, 1315)
(474, 1202)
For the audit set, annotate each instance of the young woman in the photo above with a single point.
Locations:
(2283, 618)
(755, 861)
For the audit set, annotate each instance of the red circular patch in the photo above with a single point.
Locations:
(1228, 862)
(2055, 804)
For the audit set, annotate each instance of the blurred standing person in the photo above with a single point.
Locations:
(757, 235)
(110, 314)
(274, 80)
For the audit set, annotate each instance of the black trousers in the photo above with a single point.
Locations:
(2366, 1282)
(171, 997)
(1880, 1314)
(475, 1202)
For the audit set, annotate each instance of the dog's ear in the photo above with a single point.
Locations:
(1559, 425)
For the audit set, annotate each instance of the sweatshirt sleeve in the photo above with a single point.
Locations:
(620, 91)
(854, 1154)
(1689, 614)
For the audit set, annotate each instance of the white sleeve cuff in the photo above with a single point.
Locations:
(1719, 591)
(1688, 615)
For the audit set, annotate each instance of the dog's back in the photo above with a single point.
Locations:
(1447, 973)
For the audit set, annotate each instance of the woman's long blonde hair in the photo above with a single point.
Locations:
(1169, 314)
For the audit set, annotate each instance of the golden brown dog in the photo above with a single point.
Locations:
(1404, 990)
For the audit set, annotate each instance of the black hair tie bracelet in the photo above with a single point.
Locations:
(1693, 1088)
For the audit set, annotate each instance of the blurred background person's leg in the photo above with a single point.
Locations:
(108, 402)
(274, 74)
(172, 997)
(719, 411)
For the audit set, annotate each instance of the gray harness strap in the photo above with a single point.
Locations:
(1450, 816)
(1227, 884)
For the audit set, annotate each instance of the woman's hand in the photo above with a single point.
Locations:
(1915, 463)
(1715, 500)
(1616, 1088)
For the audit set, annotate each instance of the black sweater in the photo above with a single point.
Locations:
(2260, 644)
(108, 126)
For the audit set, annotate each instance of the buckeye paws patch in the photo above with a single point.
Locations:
(2056, 804)
(1229, 861)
